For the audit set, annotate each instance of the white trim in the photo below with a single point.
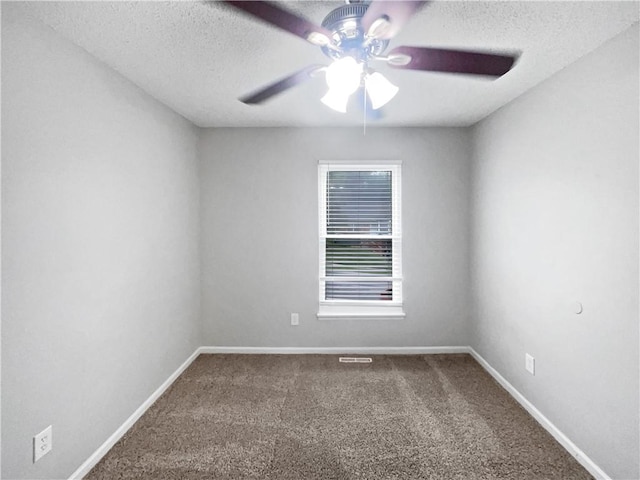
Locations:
(102, 450)
(555, 432)
(350, 163)
(322, 316)
(351, 310)
(335, 350)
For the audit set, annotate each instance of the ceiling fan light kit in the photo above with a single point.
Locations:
(343, 78)
(344, 75)
(356, 33)
(379, 89)
(336, 101)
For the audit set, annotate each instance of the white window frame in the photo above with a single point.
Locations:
(362, 309)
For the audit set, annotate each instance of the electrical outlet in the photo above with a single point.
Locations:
(295, 319)
(42, 443)
(530, 364)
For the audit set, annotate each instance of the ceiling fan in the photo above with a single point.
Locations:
(356, 35)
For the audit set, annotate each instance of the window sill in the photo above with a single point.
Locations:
(353, 312)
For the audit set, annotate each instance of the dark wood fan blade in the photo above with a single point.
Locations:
(397, 13)
(453, 61)
(281, 18)
(280, 86)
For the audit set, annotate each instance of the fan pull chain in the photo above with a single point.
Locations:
(364, 109)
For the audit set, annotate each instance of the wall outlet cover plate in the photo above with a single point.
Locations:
(530, 364)
(42, 443)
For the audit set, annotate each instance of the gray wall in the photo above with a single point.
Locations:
(555, 221)
(260, 236)
(102, 224)
(100, 247)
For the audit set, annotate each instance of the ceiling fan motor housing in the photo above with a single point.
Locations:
(345, 24)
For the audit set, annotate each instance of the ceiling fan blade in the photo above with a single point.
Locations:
(280, 86)
(281, 18)
(396, 13)
(451, 61)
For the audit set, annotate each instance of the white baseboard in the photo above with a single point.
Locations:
(91, 462)
(571, 447)
(336, 350)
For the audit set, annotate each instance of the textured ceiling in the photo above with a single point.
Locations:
(198, 57)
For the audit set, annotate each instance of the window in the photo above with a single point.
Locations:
(360, 240)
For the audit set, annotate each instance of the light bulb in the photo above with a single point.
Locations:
(344, 75)
(379, 89)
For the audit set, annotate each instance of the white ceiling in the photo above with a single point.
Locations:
(198, 58)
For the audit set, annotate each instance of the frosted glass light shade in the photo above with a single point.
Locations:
(343, 78)
(336, 100)
(379, 89)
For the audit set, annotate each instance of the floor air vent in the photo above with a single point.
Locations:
(355, 360)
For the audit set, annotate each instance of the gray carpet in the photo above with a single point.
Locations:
(308, 417)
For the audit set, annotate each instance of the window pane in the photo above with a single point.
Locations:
(358, 258)
(358, 290)
(359, 202)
